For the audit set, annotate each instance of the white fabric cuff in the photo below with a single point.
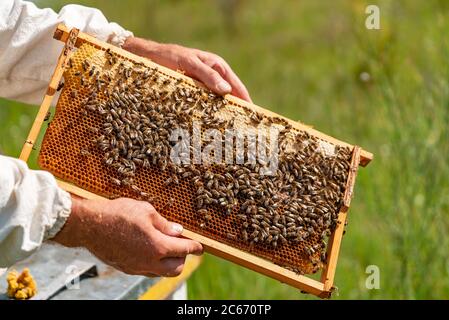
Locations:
(93, 22)
(118, 35)
(60, 215)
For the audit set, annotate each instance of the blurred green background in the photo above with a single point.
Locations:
(386, 90)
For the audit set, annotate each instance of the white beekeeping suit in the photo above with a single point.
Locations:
(32, 207)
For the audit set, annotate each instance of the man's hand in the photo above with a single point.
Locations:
(128, 235)
(207, 67)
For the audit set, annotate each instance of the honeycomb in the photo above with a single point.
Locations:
(69, 133)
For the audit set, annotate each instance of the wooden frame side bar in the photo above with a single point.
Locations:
(353, 169)
(333, 250)
(62, 34)
(51, 90)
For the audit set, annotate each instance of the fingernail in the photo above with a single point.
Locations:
(176, 228)
(223, 86)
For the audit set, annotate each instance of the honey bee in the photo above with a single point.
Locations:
(231, 236)
(84, 152)
(47, 116)
(116, 181)
(170, 202)
(85, 64)
(245, 235)
(60, 85)
(92, 71)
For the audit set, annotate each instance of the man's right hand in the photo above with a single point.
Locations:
(129, 235)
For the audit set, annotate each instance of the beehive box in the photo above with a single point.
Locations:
(77, 150)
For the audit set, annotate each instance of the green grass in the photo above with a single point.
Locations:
(303, 59)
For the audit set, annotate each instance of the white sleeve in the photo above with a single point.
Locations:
(28, 52)
(32, 209)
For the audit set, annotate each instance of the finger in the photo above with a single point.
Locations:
(238, 88)
(179, 247)
(211, 78)
(226, 72)
(169, 228)
(171, 267)
(150, 275)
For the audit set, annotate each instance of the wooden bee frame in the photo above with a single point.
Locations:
(322, 288)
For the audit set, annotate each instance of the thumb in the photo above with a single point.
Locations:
(169, 228)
